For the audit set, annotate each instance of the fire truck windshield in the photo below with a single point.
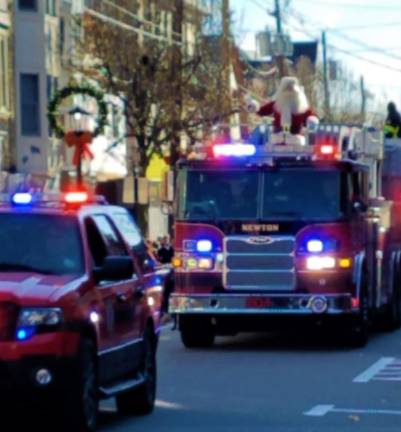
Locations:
(209, 195)
(282, 194)
(306, 194)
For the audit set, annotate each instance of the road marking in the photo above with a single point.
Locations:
(374, 370)
(168, 405)
(319, 410)
(322, 410)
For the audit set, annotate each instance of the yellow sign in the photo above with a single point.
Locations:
(156, 168)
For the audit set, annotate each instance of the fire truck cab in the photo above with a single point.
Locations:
(276, 237)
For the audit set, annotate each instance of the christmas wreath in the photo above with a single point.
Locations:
(54, 114)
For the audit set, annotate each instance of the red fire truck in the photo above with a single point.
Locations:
(285, 236)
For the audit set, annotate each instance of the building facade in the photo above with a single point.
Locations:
(6, 88)
(36, 74)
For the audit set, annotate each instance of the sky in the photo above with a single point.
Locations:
(369, 29)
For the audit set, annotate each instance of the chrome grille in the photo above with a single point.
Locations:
(259, 263)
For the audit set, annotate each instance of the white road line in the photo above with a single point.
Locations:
(319, 410)
(387, 379)
(322, 410)
(370, 373)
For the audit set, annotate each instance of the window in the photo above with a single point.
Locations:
(51, 7)
(96, 243)
(51, 89)
(29, 102)
(129, 229)
(27, 5)
(114, 243)
(4, 81)
(45, 244)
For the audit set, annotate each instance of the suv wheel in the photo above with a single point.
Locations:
(141, 400)
(196, 333)
(81, 407)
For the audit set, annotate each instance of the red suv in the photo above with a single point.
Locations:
(79, 318)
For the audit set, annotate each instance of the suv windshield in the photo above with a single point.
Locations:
(219, 195)
(289, 194)
(48, 244)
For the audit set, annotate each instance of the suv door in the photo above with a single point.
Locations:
(128, 302)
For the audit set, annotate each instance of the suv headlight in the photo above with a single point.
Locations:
(30, 317)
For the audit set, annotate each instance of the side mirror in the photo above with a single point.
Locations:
(359, 207)
(115, 268)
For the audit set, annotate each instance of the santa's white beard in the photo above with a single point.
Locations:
(289, 103)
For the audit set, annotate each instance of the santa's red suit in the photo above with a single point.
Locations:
(291, 113)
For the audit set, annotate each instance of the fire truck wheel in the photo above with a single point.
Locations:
(392, 316)
(196, 332)
(359, 334)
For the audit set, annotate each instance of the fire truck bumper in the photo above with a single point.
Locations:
(262, 304)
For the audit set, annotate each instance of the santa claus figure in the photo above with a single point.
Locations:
(290, 111)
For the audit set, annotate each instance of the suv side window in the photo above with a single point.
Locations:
(96, 243)
(128, 228)
(114, 243)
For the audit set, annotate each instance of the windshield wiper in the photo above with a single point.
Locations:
(9, 267)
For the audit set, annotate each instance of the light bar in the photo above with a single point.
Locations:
(237, 150)
(76, 197)
(327, 149)
(22, 198)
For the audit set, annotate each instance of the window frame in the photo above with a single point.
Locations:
(25, 102)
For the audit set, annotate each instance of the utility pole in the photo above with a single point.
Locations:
(363, 99)
(327, 112)
(280, 56)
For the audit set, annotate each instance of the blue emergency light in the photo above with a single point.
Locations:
(234, 150)
(315, 246)
(22, 198)
(204, 246)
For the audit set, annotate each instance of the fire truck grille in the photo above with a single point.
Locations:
(8, 321)
(259, 263)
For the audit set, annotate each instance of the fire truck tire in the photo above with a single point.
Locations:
(392, 316)
(359, 334)
(196, 332)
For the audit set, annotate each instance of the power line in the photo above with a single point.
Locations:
(349, 53)
(302, 19)
(352, 5)
(371, 26)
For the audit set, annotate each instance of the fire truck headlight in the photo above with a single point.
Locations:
(205, 263)
(204, 246)
(320, 263)
(314, 246)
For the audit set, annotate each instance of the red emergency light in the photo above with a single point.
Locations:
(327, 149)
(76, 197)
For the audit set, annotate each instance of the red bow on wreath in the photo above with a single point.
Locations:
(81, 142)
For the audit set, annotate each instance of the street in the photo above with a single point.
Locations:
(275, 383)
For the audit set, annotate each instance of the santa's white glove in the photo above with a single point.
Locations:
(312, 123)
(252, 105)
